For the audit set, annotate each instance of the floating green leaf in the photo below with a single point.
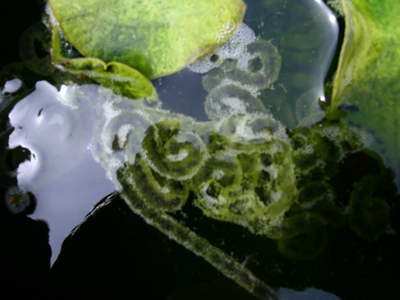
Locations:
(369, 67)
(156, 37)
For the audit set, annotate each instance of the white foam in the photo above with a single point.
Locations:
(234, 48)
(225, 31)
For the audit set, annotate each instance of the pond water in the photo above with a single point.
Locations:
(58, 134)
(81, 135)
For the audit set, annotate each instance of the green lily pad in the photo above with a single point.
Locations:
(366, 83)
(156, 37)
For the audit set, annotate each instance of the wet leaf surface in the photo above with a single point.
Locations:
(366, 84)
(156, 37)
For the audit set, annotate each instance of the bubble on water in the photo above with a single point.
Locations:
(336, 6)
(235, 48)
(18, 200)
(49, 19)
(225, 31)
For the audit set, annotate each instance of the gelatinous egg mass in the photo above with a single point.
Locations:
(225, 130)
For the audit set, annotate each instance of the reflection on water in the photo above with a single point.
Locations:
(12, 86)
(308, 294)
(59, 134)
(269, 77)
(61, 173)
(305, 32)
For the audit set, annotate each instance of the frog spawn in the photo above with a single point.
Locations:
(157, 157)
(317, 153)
(242, 166)
(242, 151)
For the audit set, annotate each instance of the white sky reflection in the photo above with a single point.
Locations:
(62, 174)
